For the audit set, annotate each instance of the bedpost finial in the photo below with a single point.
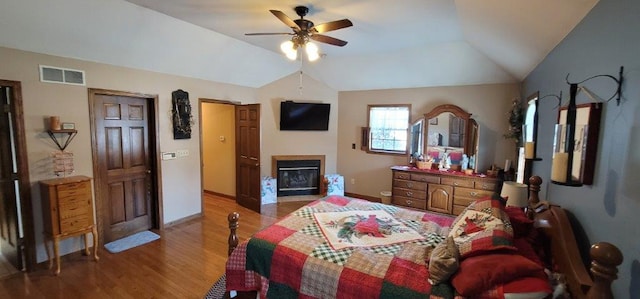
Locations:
(534, 200)
(233, 217)
(605, 258)
(233, 225)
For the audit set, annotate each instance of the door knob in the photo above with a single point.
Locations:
(149, 171)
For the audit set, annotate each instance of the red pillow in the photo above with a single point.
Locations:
(522, 225)
(480, 273)
(535, 286)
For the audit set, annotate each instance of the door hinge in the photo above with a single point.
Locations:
(6, 108)
(14, 176)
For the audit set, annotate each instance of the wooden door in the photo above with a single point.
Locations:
(248, 156)
(123, 158)
(440, 198)
(9, 238)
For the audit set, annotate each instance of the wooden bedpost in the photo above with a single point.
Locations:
(233, 225)
(324, 186)
(534, 199)
(605, 258)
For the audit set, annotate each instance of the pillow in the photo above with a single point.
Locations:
(482, 227)
(522, 225)
(443, 262)
(480, 273)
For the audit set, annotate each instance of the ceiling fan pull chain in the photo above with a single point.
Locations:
(300, 87)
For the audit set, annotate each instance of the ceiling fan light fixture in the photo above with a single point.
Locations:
(312, 51)
(289, 49)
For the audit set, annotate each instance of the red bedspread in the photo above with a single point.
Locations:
(293, 259)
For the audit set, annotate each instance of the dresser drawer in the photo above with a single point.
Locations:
(456, 182)
(485, 185)
(410, 185)
(410, 193)
(468, 195)
(73, 189)
(457, 209)
(73, 224)
(427, 178)
(401, 175)
(409, 202)
(72, 210)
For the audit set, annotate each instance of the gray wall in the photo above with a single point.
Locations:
(609, 210)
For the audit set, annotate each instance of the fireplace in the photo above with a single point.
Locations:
(298, 175)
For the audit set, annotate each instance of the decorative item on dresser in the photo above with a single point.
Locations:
(446, 192)
(67, 208)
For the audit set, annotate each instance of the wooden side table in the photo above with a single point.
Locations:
(67, 208)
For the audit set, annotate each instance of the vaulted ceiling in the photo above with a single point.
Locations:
(392, 44)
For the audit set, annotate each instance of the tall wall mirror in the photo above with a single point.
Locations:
(416, 140)
(529, 138)
(445, 131)
(531, 127)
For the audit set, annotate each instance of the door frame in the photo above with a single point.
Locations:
(157, 219)
(24, 183)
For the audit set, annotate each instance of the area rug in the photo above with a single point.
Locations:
(218, 289)
(129, 242)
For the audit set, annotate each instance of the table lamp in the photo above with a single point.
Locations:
(515, 193)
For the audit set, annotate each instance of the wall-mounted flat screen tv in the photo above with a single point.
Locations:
(304, 116)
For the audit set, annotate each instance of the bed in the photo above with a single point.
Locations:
(340, 247)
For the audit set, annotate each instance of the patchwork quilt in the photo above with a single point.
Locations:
(339, 247)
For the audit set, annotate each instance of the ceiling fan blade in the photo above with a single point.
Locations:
(282, 33)
(328, 40)
(330, 26)
(286, 20)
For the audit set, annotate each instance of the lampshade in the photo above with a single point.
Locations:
(516, 193)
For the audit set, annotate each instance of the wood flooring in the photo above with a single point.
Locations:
(184, 263)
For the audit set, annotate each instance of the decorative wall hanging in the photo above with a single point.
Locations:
(576, 137)
(181, 114)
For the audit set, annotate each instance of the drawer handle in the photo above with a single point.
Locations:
(409, 193)
(409, 202)
(410, 185)
(455, 183)
(485, 186)
(473, 193)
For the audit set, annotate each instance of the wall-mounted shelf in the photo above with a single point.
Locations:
(65, 137)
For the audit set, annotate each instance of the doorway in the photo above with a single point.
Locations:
(235, 165)
(217, 141)
(126, 162)
(17, 243)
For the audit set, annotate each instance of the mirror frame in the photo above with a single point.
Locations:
(455, 110)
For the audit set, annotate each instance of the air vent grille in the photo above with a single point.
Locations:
(53, 74)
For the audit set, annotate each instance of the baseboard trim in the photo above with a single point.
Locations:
(220, 194)
(365, 197)
(183, 220)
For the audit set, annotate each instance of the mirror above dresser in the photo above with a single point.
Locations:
(447, 137)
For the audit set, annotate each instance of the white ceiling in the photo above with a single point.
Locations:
(393, 44)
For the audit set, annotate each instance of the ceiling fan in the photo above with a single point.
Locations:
(304, 29)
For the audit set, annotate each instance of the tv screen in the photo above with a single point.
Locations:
(304, 116)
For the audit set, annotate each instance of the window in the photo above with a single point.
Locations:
(388, 126)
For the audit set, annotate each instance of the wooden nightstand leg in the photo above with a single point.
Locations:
(86, 244)
(56, 252)
(47, 240)
(94, 232)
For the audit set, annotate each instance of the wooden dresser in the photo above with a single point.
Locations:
(67, 209)
(439, 191)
